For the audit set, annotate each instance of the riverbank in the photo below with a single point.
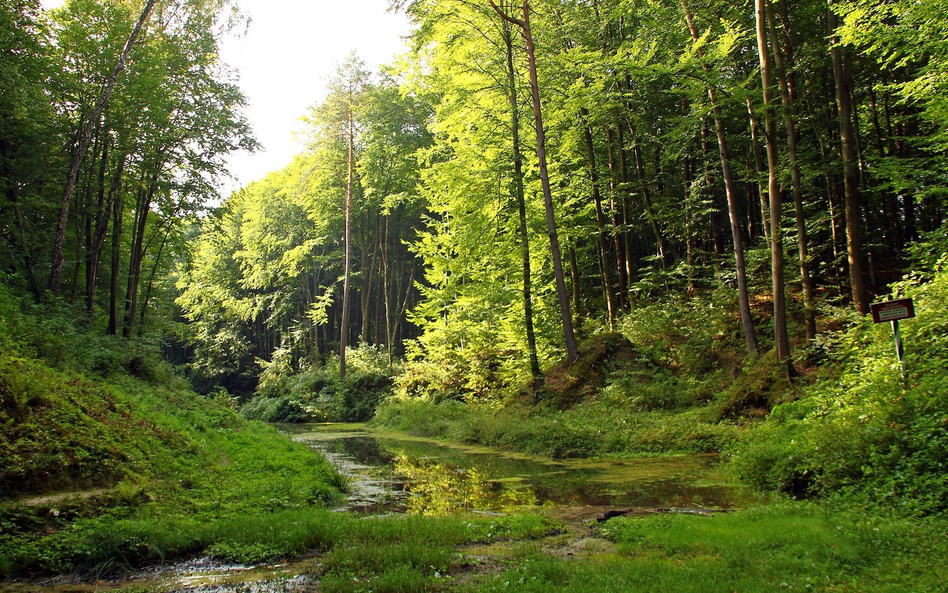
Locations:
(782, 545)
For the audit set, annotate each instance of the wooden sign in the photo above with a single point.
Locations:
(893, 310)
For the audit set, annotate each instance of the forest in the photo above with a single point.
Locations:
(569, 229)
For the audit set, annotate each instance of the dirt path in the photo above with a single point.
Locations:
(51, 500)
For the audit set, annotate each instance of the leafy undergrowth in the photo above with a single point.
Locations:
(861, 430)
(671, 380)
(779, 547)
(318, 394)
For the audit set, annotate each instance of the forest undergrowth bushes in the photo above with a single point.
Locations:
(861, 429)
(319, 395)
(664, 382)
(173, 471)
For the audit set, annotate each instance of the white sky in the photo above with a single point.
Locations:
(284, 60)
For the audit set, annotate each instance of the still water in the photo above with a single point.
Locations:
(392, 471)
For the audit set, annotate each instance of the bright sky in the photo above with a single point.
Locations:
(291, 48)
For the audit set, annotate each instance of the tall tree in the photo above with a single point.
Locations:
(338, 116)
(781, 338)
(568, 335)
(842, 76)
(750, 334)
(86, 130)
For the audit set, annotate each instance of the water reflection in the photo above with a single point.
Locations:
(424, 477)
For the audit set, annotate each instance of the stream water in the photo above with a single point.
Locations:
(391, 472)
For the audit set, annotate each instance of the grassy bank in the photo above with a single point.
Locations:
(780, 547)
(594, 429)
(174, 473)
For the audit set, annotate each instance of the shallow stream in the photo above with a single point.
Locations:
(394, 472)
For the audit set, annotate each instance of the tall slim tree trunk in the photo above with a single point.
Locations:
(101, 230)
(568, 335)
(85, 137)
(535, 374)
(781, 339)
(759, 167)
(843, 79)
(151, 280)
(137, 253)
(117, 212)
(602, 238)
(347, 241)
(618, 207)
(747, 322)
(647, 196)
(809, 309)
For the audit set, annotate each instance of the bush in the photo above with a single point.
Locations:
(861, 429)
(319, 395)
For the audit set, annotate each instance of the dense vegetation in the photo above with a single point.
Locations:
(573, 229)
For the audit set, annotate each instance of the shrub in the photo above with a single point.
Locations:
(320, 395)
(862, 429)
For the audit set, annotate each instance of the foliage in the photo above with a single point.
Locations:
(605, 426)
(320, 395)
(860, 428)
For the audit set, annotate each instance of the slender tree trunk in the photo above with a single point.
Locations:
(843, 78)
(347, 240)
(602, 238)
(95, 230)
(618, 201)
(781, 339)
(568, 335)
(151, 280)
(85, 137)
(647, 196)
(535, 374)
(137, 253)
(809, 309)
(627, 227)
(102, 229)
(117, 211)
(759, 167)
(747, 322)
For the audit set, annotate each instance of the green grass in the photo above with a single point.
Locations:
(780, 547)
(597, 428)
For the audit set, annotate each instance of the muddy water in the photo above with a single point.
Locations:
(391, 471)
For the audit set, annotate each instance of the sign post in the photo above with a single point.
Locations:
(893, 311)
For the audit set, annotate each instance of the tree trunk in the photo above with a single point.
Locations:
(747, 322)
(101, 230)
(137, 253)
(117, 211)
(781, 339)
(535, 374)
(568, 335)
(618, 207)
(151, 280)
(347, 241)
(85, 137)
(759, 167)
(843, 79)
(809, 310)
(602, 238)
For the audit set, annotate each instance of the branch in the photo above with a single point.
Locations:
(506, 16)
